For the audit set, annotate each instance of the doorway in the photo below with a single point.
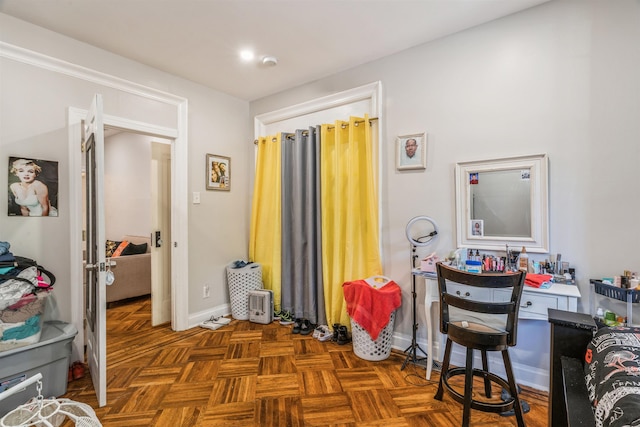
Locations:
(137, 202)
(178, 253)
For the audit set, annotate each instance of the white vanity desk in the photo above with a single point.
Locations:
(533, 304)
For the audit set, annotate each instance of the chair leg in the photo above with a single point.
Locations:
(485, 367)
(513, 388)
(468, 388)
(443, 369)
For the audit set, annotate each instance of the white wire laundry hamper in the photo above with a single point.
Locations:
(46, 412)
(241, 281)
(363, 345)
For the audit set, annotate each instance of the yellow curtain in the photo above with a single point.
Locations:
(265, 235)
(350, 227)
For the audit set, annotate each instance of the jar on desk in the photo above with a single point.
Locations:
(473, 266)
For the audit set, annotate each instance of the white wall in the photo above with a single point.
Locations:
(559, 79)
(33, 109)
(127, 185)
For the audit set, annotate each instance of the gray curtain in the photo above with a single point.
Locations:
(302, 291)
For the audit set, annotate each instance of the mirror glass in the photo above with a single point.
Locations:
(503, 201)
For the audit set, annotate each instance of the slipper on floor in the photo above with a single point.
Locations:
(525, 409)
(215, 322)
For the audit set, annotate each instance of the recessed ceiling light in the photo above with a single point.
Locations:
(271, 61)
(247, 55)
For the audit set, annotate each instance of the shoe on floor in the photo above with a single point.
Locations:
(306, 327)
(208, 324)
(286, 318)
(343, 335)
(512, 412)
(336, 326)
(322, 333)
(297, 324)
(78, 370)
(320, 330)
(215, 322)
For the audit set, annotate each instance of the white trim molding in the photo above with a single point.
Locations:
(371, 92)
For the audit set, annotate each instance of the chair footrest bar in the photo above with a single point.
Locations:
(496, 407)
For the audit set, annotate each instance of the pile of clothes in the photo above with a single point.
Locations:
(23, 293)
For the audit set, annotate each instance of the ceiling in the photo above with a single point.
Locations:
(200, 40)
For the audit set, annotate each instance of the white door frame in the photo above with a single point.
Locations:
(75, 117)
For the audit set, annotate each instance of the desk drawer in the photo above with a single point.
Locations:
(532, 306)
(477, 294)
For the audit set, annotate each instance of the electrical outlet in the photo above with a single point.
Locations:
(205, 291)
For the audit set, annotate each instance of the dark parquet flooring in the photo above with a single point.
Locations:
(247, 374)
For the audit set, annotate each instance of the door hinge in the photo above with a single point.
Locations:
(83, 147)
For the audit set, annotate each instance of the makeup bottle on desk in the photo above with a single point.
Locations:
(523, 262)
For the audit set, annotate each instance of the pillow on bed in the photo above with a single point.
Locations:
(612, 374)
(133, 249)
(111, 246)
(120, 249)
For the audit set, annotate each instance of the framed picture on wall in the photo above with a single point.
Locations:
(33, 187)
(477, 227)
(411, 151)
(218, 172)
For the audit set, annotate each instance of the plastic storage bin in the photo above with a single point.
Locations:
(50, 357)
(630, 296)
(26, 315)
(240, 282)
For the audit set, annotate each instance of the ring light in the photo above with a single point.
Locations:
(427, 237)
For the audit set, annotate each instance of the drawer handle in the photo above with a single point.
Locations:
(527, 304)
(466, 294)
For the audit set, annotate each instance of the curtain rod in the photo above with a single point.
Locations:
(306, 132)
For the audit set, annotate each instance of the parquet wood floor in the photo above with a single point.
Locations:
(246, 374)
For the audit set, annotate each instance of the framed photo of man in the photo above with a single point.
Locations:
(218, 172)
(411, 151)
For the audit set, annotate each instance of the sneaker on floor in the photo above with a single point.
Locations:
(306, 327)
(276, 315)
(297, 324)
(318, 331)
(286, 318)
(322, 333)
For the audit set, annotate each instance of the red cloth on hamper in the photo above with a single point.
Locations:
(537, 280)
(371, 307)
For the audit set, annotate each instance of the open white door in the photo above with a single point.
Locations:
(161, 238)
(95, 271)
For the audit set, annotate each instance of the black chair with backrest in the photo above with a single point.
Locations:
(479, 324)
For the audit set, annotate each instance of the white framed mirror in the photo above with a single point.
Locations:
(503, 202)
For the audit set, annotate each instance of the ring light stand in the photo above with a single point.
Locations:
(424, 240)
